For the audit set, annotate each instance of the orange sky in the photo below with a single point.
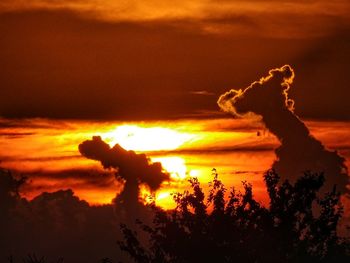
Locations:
(160, 66)
(95, 59)
(148, 75)
(156, 68)
(47, 152)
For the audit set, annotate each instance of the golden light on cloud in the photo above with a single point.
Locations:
(133, 137)
(158, 9)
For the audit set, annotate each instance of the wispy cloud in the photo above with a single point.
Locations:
(202, 92)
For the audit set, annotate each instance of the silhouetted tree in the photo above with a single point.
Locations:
(34, 259)
(106, 260)
(9, 198)
(9, 189)
(298, 226)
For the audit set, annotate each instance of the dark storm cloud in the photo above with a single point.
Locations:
(299, 150)
(58, 64)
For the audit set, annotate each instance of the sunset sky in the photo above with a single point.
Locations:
(147, 75)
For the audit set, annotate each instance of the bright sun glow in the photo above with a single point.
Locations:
(132, 137)
(174, 165)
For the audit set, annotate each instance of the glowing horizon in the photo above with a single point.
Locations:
(195, 147)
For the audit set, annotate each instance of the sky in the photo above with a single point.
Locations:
(102, 60)
(161, 79)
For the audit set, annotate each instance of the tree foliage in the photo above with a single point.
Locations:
(230, 226)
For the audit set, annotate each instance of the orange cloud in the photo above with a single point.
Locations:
(212, 16)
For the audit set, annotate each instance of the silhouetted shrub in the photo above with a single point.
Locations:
(298, 226)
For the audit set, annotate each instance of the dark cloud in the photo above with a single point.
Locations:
(38, 159)
(299, 150)
(134, 169)
(15, 135)
(263, 147)
(77, 178)
(130, 165)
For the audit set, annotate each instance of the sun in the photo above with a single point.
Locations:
(176, 166)
(133, 137)
(150, 140)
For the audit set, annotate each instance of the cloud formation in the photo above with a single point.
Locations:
(299, 150)
(134, 168)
